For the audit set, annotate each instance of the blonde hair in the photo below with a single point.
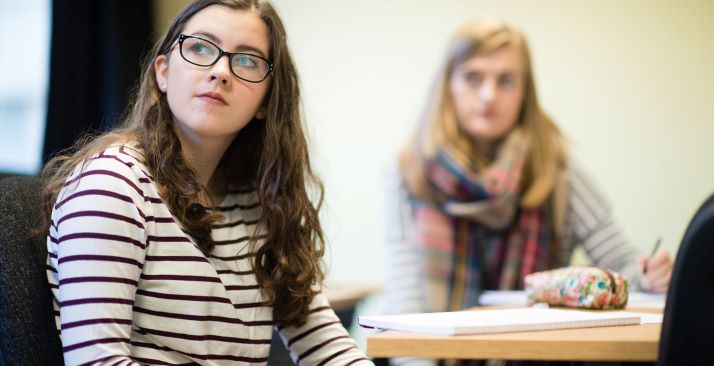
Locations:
(440, 130)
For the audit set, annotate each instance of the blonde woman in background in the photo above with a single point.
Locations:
(486, 191)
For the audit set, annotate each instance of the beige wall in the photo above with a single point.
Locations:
(165, 11)
(631, 83)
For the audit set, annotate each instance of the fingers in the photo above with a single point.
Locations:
(662, 257)
(659, 271)
(660, 264)
(659, 279)
(661, 284)
(642, 261)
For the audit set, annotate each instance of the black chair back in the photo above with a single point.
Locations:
(27, 329)
(687, 336)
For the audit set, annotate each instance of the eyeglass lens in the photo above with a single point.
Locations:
(203, 53)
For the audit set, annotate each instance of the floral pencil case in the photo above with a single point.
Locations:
(578, 287)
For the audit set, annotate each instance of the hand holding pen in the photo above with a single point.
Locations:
(654, 251)
(656, 269)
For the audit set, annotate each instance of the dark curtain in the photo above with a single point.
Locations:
(97, 48)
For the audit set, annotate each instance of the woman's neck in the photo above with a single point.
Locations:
(203, 154)
(486, 149)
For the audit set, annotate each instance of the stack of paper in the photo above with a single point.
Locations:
(498, 321)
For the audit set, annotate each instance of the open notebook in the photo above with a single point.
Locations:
(497, 321)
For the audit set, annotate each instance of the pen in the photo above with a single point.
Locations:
(654, 251)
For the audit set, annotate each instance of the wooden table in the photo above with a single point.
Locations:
(621, 343)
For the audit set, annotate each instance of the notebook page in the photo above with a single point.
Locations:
(497, 321)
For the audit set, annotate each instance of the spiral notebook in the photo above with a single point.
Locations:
(497, 321)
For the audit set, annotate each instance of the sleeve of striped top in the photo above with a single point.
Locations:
(404, 286)
(590, 219)
(97, 246)
(322, 340)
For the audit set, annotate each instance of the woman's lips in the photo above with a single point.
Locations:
(488, 113)
(213, 98)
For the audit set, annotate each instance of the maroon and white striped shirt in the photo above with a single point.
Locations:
(131, 288)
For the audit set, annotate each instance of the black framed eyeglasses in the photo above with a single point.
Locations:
(202, 52)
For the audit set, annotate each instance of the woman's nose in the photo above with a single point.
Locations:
(487, 91)
(221, 70)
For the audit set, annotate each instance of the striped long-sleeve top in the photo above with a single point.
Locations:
(130, 287)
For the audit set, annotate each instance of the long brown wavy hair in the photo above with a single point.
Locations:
(270, 156)
(439, 128)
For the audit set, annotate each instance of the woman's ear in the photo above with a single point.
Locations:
(161, 68)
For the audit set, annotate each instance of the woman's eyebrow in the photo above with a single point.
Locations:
(511, 72)
(245, 47)
(208, 36)
(239, 48)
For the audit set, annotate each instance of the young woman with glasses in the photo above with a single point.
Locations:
(188, 234)
(486, 192)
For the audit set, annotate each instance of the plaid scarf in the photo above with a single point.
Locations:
(475, 236)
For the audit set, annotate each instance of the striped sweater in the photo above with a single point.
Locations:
(131, 288)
